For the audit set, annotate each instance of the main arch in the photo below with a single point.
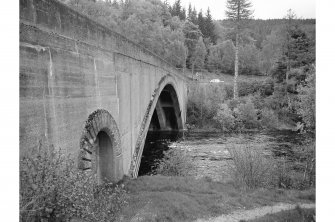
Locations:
(165, 103)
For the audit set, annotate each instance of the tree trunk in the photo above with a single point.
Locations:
(192, 70)
(288, 69)
(236, 68)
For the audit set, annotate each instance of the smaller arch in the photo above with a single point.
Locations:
(100, 147)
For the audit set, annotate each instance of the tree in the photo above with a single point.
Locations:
(192, 15)
(272, 49)
(250, 60)
(177, 10)
(306, 100)
(192, 35)
(209, 28)
(201, 22)
(238, 11)
(198, 57)
(221, 57)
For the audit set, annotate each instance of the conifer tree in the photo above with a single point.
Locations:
(177, 10)
(209, 27)
(238, 11)
(201, 22)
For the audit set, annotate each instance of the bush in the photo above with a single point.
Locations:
(267, 87)
(257, 100)
(247, 114)
(225, 118)
(306, 101)
(229, 90)
(305, 164)
(52, 188)
(244, 88)
(203, 103)
(174, 163)
(296, 171)
(269, 119)
(249, 168)
(248, 87)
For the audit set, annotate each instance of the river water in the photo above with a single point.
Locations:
(209, 151)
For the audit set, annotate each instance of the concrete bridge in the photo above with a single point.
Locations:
(91, 91)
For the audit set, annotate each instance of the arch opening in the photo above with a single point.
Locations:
(165, 126)
(100, 147)
(167, 111)
(104, 158)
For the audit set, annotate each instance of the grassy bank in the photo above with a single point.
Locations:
(51, 188)
(296, 215)
(161, 198)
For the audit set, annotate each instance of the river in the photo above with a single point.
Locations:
(209, 151)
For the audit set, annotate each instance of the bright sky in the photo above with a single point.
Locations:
(263, 9)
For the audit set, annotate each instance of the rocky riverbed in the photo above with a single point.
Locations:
(209, 151)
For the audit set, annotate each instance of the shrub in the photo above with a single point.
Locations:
(203, 102)
(52, 188)
(248, 87)
(282, 174)
(298, 171)
(269, 119)
(305, 164)
(249, 168)
(267, 87)
(244, 88)
(306, 101)
(174, 163)
(247, 114)
(225, 118)
(229, 90)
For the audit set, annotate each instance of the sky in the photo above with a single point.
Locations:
(263, 9)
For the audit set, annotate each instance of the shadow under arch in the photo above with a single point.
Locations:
(165, 97)
(100, 147)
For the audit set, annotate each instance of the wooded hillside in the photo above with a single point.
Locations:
(192, 39)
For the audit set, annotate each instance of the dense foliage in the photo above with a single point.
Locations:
(53, 189)
(177, 34)
(286, 98)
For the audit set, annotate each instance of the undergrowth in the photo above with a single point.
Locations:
(53, 189)
(174, 163)
(250, 168)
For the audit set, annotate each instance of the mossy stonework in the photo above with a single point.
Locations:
(75, 73)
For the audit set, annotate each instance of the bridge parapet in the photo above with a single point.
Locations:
(57, 18)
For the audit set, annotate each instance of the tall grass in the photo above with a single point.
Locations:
(249, 168)
(53, 189)
(174, 163)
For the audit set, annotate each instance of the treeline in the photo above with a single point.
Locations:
(190, 38)
(285, 97)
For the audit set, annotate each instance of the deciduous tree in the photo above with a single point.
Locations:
(238, 11)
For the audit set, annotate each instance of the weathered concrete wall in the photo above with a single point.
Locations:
(71, 66)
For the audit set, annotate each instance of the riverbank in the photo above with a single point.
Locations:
(161, 198)
(209, 190)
